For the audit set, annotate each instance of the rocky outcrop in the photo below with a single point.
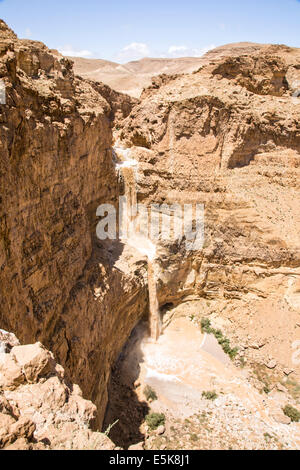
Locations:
(121, 104)
(39, 409)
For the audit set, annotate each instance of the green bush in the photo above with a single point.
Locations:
(292, 413)
(154, 420)
(223, 342)
(150, 393)
(206, 325)
(210, 395)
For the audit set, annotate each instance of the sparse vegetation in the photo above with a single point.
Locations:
(149, 393)
(210, 395)
(293, 388)
(268, 379)
(292, 413)
(269, 438)
(154, 420)
(107, 432)
(206, 326)
(222, 340)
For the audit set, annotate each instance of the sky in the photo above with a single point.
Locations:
(124, 30)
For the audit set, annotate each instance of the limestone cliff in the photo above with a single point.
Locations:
(56, 285)
(228, 136)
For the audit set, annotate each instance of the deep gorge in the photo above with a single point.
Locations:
(220, 137)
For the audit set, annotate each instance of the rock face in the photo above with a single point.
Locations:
(38, 408)
(228, 136)
(56, 167)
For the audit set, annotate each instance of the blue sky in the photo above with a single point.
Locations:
(130, 29)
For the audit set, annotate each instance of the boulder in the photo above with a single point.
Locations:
(271, 364)
(160, 430)
(35, 361)
(11, 375)
(281, 418)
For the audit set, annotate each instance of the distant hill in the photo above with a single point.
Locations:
(132, 77)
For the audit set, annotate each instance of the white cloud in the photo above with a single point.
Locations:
(134, 51)
(184, 51)
(139, 50)
(177, 49)
(68, 50)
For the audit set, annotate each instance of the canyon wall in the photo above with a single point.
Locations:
(228, 136)
(57, 285)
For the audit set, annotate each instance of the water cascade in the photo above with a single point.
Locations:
(127, 167)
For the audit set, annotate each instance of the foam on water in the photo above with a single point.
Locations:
(127, 164)
(123, 153)
(153, 374)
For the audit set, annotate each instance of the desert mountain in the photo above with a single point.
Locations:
(133, 76)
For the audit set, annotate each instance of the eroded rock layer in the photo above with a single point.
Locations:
(56, 285)
(228, 136)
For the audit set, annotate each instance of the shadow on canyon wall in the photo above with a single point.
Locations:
(124, 406)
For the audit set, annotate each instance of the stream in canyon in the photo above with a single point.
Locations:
(179, 366)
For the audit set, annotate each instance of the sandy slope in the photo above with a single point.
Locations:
(131, 78)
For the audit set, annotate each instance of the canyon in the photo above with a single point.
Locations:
(224, 134)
